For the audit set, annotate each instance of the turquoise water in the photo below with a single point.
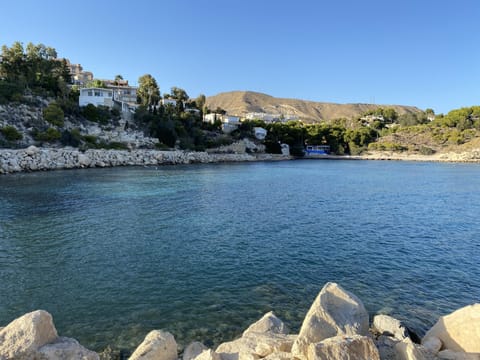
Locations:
(204, 250)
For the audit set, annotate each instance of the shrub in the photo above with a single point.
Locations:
(50, 135)
(424, 150)
(99, 114)
(54, 114)
(71, 138)
(11, 133)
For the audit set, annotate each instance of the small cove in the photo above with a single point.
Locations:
(204, 250)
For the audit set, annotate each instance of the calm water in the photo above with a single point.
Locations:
(203, 251)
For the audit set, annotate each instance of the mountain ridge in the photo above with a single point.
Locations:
(241, 103)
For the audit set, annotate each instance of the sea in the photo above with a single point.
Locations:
(202, 251)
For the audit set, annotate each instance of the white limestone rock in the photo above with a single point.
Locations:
(65, 348)
(334, 312)
(32, 150)
(26, 334)
(407, 350)
(158, 345)
(458, 331)
(193, 350)
(454, 355)
(354, 347)
(387, 324)
(208, 355)
(255, 346)
(268, 323)
(432, 344)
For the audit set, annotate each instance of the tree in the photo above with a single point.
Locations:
(96, 83)
(148, 91)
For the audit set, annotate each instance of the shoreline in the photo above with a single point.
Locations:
(46, 159)
(337, 326)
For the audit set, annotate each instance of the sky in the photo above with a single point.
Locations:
(424, 53)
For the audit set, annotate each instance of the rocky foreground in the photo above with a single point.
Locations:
(37, 159)
(335, 327)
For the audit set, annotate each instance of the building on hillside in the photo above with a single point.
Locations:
(79, 77)
(260, 133)
(211, 118)
(270, 118)
(121, 97)
(168, 101)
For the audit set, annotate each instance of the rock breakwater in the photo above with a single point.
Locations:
(335, 328)
(37, 159)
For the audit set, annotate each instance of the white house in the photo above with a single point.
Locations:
(230, 119)
(166, 102)
(260, 133)
(122, 97)
(96, 96)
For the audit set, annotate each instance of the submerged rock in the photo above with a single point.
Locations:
(334, 312)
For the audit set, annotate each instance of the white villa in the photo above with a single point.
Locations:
(122, 97)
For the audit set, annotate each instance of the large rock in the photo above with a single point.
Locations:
(65, 348)
(334, 312)
(208, 355)
(355, 347)
(158, 345)
(407, 350)
(268, 323)
(193, 350)
(25, 335)
(458, 331)
(453, 355)
(388, 325)
(255, 346)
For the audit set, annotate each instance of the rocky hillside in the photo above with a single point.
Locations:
(243, 102)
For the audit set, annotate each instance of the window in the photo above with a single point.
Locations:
(90, 93)
(98, 93)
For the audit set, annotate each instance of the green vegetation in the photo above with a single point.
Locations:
(10, 133)
(34, 68)
(54, 114)
(49, 135)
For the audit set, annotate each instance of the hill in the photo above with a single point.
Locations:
(242, 102)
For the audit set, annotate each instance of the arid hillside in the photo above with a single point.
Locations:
(242, 102)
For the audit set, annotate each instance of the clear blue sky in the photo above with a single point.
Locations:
(424, 53)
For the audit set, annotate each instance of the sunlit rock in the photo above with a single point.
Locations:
(334, 312)
(158, 345)
(354, 347)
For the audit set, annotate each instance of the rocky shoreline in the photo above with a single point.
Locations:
(42, 159)
(335, 328)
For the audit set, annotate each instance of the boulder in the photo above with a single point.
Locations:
(432, 344)
(280, 355)
(458, 331)
(407, 350)
(66, 348)
(208, 355)
(83, 160)
(158, 345)
(255, 346)
(32, 150)
(453, 355)
(386, 347)
(25, 335)
(334, 312)
(388, 325)
(268, 323)
(354, 347)
(193, 350)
